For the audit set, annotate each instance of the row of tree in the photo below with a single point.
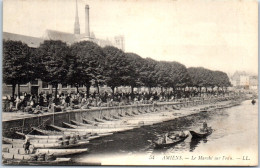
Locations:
(86, 63)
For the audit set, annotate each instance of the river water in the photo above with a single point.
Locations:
(235, 130)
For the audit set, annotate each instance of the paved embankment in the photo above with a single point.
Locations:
(152, 113)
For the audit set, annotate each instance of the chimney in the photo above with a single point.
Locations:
(87, 21)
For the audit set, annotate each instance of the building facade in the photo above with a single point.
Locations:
(38, 86)
(244, 80)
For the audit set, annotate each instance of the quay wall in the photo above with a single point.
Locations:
(25, 124)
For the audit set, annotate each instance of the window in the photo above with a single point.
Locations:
(53, 87)
(35, 82)
(64, 85)
(81, 86)
(45, 85)
(25, 84)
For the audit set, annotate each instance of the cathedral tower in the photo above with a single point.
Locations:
(76, 24)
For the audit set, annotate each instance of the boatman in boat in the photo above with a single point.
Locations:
(205, 127)
(166, 139)
(27, 145)
(182, 134)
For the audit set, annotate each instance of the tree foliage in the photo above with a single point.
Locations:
(172, 74)
(54, 56)
(117, 68)
(201, 77)
(17, 67)
(87, 64)
(148, 73)
(136, 63)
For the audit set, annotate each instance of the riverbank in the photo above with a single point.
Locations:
(233, 131)
(152, 113)
(136, 117)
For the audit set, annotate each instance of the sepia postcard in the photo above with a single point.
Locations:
(130, 82)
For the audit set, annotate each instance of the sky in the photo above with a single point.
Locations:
(215, 34)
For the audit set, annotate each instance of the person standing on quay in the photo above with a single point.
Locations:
(67, 101)
(27, 145)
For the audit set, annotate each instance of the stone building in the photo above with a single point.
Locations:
(38, 86)
(241, 79)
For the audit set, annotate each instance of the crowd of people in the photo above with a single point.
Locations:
(46, 102)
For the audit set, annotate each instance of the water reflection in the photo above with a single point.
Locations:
(195, 142)
(227, 123)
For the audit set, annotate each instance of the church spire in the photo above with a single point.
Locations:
(76, 24)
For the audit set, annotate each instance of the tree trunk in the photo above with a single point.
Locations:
(97, 88)
(174, 93)
(13, 89)
(161, 89)
(200, 91)
(87, 90)
(113, 90)
(56, 92)
(132, 89)
(149, 89)
(77, 87)
(18, 90)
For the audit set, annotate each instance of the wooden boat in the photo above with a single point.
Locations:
(97, 129)
(89, 135)
(59, 145)
(174, 142)
(175, 107)
(109, 119)
(135, 113)
(79, 123)
(140, 112)
(57, 161)
(76, 131)
(55, 152)
(14, 149)
(86, 127)
(10, 158)
(102, 125)
(146, 111)
(82, 132)
(121, 115)
(33, 141)
(116, 117)
(47, 132)
(61, 152)
(72, 126)
(14, 145)
(66, 134)
(200, 135)
(131, 115)
(47, 137)
(10, 141)
(89, 121)
(99, 120)
(82, 126)
(41, 136)
(64, 137)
